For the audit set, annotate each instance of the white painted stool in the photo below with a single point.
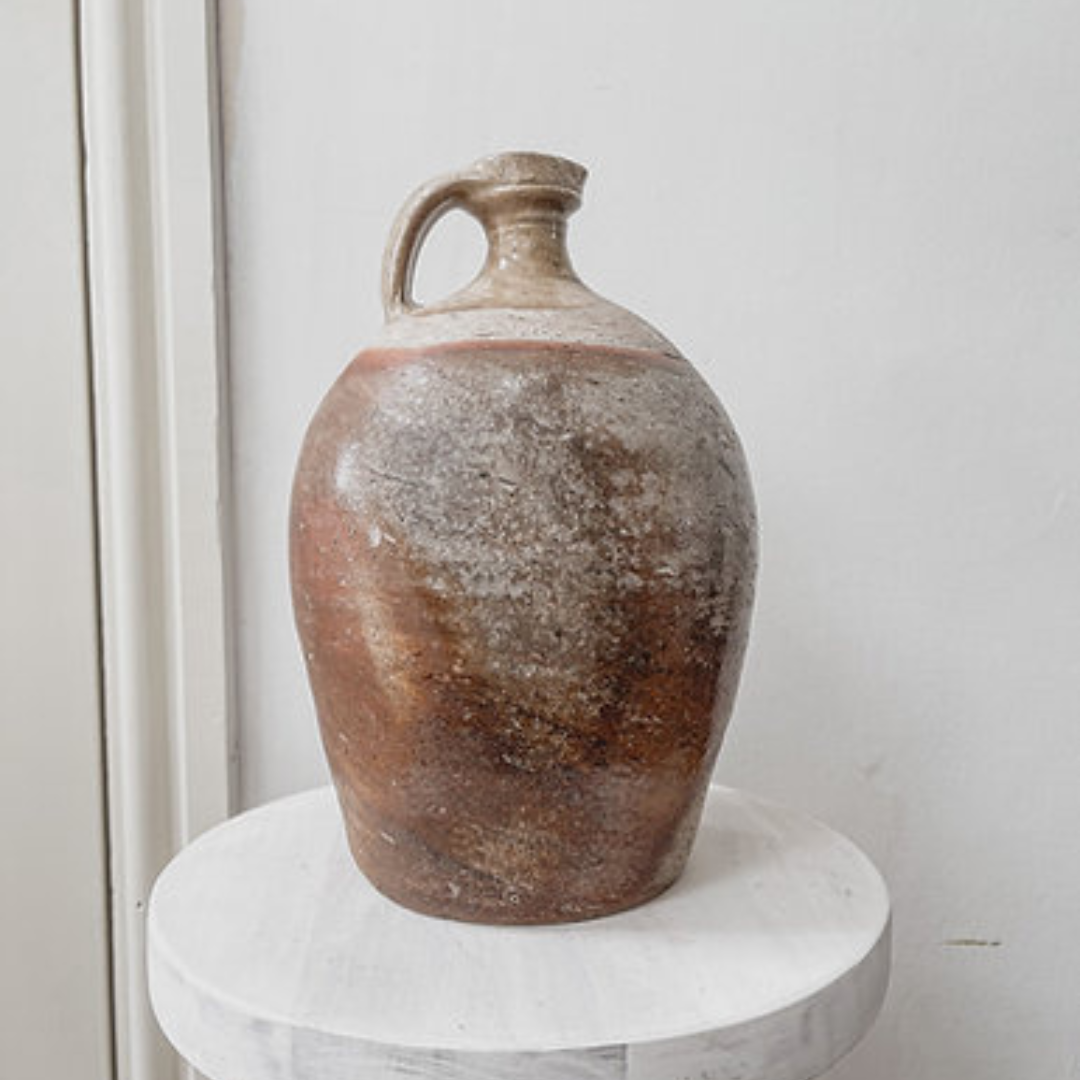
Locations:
(272, 958)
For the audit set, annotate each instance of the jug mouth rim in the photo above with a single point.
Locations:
(529, 168)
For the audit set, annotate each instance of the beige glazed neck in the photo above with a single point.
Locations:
(527, 289)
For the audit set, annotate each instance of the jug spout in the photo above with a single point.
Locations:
(543, 175)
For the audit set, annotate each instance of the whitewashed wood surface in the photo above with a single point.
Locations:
(272, 958)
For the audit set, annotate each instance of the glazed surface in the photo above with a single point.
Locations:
(522, 575)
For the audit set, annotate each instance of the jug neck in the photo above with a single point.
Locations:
(522, 200)
(526, 236)
(527, 289)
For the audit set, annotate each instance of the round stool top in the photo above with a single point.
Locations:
(272, 958)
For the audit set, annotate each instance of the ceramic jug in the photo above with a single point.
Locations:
(523, 557)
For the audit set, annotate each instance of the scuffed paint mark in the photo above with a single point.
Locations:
(1061, 500)
(872, 768)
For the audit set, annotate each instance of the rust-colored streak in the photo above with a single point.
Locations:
(522, 577)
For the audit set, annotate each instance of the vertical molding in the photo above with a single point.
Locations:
(151, 191)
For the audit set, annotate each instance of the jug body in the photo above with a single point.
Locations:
(523, 554)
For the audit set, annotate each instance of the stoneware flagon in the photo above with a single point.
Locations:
(523, 556)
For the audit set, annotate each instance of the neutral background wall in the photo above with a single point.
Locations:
(55, 1010)
(862, 221)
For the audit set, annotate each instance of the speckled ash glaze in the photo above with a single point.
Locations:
(522, 572)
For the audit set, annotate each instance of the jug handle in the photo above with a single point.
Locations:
(415, 220)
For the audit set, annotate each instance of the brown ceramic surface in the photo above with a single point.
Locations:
(522, 573)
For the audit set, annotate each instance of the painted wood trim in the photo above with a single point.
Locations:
(149, 100)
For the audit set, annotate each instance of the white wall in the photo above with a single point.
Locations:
(55, 1009)
(862, 220)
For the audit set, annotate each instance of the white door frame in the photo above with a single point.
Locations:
(154, 265)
